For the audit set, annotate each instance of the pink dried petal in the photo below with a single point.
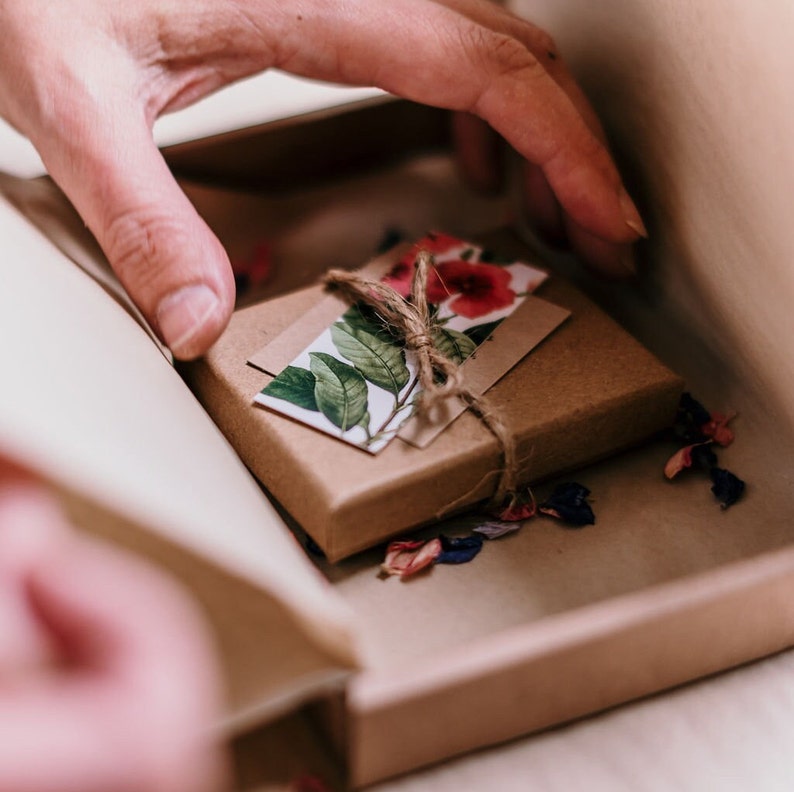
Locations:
(549, 512)
(309, 783)
(519, 506)
(405, 558)
(257, 267)
(682, 459)
(717, 428)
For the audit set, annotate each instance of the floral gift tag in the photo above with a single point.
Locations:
(356, 381)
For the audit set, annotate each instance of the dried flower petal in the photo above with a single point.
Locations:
(254, 270)
(494, 529)
(519, 506)
(568, 502)
(308, 783)
(695, 455)
(727, 487)
(717, 428)
(405, 558)
(458, 551)
(690, 417)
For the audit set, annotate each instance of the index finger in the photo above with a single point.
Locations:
(433, 54)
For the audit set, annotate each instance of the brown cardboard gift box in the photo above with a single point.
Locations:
(587, 391)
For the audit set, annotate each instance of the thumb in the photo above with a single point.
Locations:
(171, 264)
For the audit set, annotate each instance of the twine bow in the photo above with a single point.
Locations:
(439, 377)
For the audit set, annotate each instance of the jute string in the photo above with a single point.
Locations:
(439, 377)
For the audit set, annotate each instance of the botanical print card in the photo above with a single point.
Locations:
(357, 382)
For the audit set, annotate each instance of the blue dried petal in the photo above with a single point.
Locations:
(459, 551)
(727, 488)
(703, 456)
(568, 502)
(689, 419)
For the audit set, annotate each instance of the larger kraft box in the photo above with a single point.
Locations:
(588, 391)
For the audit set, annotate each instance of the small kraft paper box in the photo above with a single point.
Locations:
(586, 391)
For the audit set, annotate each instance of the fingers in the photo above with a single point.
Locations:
(132, 705)
(103, 157)
(540, 205)
(146, 670)
(31, 528)
(433, 54)
(477, 152)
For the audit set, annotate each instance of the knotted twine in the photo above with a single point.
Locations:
(440, 378)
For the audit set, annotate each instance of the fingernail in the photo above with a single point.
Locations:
(631, 215)
(182, 314)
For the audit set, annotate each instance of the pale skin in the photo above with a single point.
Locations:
(107, 677)
(85, 80)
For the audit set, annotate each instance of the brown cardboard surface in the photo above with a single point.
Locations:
(551, 624)
(585, 392)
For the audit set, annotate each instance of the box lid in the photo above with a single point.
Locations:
(260, 99)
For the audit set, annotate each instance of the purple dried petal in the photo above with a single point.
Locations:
(727, 487)
(494, 529)
(568, 502)
(459, 551)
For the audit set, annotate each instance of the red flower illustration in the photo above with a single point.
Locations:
(482, 288)
(437, 243)
(400, 275)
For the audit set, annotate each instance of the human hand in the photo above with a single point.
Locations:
(85, 80)
(105, 679)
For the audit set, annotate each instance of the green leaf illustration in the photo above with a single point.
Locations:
(362, 317)
(295, 385)
(340, 390)
(452, 344)
(482, 332)
(381, 361)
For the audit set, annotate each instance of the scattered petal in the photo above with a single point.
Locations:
(568, 502)
(495, 529)
(308, 783)
(519, 506)
(717, 428)
(458, 551)
(405, 558)
(727, 487)
(690, 417)
(695, 455)
(254, 270)
(693, 410)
